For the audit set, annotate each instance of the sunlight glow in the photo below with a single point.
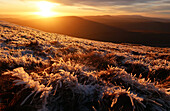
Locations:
(46, 9)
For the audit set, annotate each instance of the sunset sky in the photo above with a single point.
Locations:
(155, 8)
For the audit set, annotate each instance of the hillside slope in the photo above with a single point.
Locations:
(48, 71)
(83, 28)
(71, 25)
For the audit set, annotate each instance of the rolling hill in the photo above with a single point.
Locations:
(83, 28)
(134, 23)
(42, 71)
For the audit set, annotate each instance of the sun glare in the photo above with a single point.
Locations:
(46, 9)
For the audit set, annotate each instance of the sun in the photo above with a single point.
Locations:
(46, 9)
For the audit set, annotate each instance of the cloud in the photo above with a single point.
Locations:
(109, 3)
(145, 8)
(93, 9)
(126, 6)
(101, 2)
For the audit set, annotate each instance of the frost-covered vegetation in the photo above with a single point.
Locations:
(51, 72)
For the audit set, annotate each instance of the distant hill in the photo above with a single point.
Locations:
(83, 28)
(73, 26)
(134, 23)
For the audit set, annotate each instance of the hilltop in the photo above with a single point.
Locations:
(49, 71)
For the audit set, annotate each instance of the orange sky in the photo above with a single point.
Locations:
(86, 7)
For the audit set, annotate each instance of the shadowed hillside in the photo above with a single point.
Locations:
(82, 28)
(134, 23)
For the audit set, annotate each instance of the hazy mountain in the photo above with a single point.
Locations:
(134, 23)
